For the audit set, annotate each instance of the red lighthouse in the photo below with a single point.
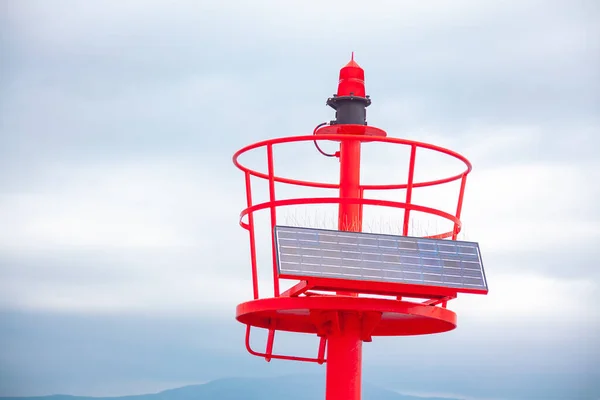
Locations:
(348, 285)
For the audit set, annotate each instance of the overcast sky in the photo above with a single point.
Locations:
(121, 260)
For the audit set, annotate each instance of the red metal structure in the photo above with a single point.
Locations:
(328, 307)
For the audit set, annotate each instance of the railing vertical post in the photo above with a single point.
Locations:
(322, 346)
(252, 237)
(360, 209)
(270, 341)
(463, 182)
(409, 188)
(273, 217)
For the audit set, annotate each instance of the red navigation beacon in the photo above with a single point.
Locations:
(352, 80)
(331, 268)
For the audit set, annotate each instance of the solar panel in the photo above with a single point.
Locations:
(309, 252)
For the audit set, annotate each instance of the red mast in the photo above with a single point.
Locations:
(331, 268)
(344, 351)
(350, 104)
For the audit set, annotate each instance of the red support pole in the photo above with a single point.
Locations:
(349, 217)
(344, 347)
(344, 359)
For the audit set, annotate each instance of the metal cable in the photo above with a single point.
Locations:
(317, 145)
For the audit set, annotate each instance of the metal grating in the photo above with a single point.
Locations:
(308, 252)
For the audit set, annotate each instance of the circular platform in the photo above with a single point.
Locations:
(297, 314)
(351, 129)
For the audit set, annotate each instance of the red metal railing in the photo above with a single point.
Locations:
(247, 215)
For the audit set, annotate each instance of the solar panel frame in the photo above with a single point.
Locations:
(404, 259)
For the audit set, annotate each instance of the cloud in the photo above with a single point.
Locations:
(111, 237)
(119, 205)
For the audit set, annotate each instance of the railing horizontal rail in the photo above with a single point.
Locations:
(341, 137)
(338, 200)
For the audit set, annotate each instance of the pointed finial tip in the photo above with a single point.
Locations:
(352, 63)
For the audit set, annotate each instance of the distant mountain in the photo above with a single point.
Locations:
(287, 387)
